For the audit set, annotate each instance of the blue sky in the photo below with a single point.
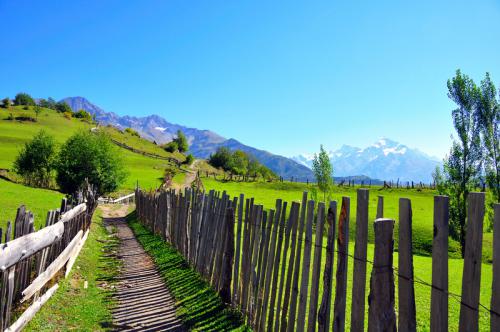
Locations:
(284, 76)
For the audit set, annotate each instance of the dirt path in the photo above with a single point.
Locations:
(143, 301)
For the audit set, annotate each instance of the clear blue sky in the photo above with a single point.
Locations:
(284, 76)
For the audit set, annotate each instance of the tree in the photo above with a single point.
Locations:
(182, 143)
(323, 171)
(253, 167)
(89, 156)
(82, 114)
(189, 159)
(239, 163)
(463, 165)
(171, 147)
(35, 161)
(23, 99)
(38, 110)
(63, 107)
(6, 102)
(221, 158)
(488, 115)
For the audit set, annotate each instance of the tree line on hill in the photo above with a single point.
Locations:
(83, 156)
(240, 165)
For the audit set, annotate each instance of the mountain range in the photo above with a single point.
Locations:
(202, 143)
(385, 159)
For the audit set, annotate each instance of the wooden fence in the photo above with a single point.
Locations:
(30, 262)
(261, 262)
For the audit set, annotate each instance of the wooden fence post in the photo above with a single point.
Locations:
(343, 251)
(238, 250)
(407, 315)
(359, 270)
(471, 280)
(380, 207)
(381, 314)
(316, 270)
(495, 289)
(225, 292)
(439, 295)
(326, 302)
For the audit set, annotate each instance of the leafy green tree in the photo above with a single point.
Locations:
(239, 163)
(89, 156)
(23, 99)
(323, 171)
(463, 164)
(253, 167)
(82, 114)
(38, 110)
(221, 158)
(488, 114)
(182, 143)
(189, 159)
(63, 107)
(6, 102)
(35, 161)
(171, 147)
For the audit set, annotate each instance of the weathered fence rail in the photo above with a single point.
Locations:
(268, 265)
(130, 198)
(30, 262)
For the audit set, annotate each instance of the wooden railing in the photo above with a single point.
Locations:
(30, 262)
(261, 262)
(127, 199)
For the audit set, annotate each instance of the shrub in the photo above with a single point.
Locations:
(68, 115)
(25, 117)
(23, 99)
(132, 132)
(81, 114)
(62, 107)
(189, 159)
(35, 161)
(26, 108)
(6, 102)
(89, 156)
(171, 147)
(11, 117)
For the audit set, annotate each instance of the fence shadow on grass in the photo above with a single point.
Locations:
(199, 306)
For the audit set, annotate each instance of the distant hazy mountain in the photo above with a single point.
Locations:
(385, 160)
(201, 142)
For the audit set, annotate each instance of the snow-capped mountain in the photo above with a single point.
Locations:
(385, 159)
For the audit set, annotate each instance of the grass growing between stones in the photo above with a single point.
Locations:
(198, 305)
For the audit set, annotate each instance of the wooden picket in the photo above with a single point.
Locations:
(268, 263)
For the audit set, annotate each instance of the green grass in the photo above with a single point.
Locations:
(74, 308)
(199, 306)
(39, 201)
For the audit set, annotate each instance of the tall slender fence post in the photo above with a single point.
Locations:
(380, 207)
(407, 316)
(225, 292)
(238, 249)
(343, 251)
(381, 314)
(471, 280)
(359, 270)
(495, 289)
(439, 293)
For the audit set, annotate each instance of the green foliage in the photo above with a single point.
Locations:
(37, 110)
(35, 161)
(82, 114)
(239, 163)
(68, 115)
(6, 102)
(132, 132)
(23, 99)
(189, 159)
(171, 147)
(182, 142)
(48, 103)
(323, 171)
(63, 107)
(89, 156)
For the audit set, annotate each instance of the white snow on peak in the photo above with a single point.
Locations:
(160, 128)
(394, 150)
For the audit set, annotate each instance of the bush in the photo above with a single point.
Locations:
(62, 107)
(89, 156)
(35, 161)
(171, 147)
(68, 115)
(26, 108)
(81, 114)
(11, 117)
(132, 132)
(25, 117)
(189, 159)
(6, 102)
(23, 99)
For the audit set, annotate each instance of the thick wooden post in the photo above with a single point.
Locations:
(407, 315)
(381, 314)
(439, 295)
(471, 280)
(359, 272)
(343, 249)
(495, 289)
(326, 302)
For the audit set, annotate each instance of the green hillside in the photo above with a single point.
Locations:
(14, 133)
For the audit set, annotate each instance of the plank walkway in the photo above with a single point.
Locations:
(143, 301)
